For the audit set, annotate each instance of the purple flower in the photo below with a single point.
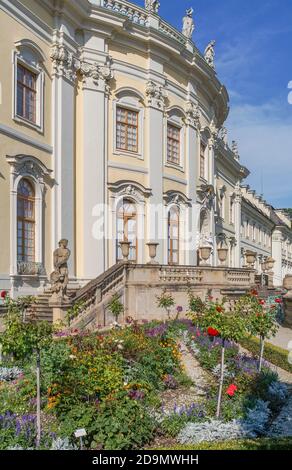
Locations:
(136, 394)
(170, 382)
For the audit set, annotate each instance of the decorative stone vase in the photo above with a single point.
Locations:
(250, 257)
(264, 266)
(222, 254)
(205, 253)
(287, 283)
(125, 247)
(270, 263)
(152, 247)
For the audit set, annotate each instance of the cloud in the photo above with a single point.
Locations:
(264, 135)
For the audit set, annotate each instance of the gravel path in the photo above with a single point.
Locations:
(186, 396)
(283, 338)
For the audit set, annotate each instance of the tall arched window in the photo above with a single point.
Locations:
(25, 221)
(173, 236)
(127, 228)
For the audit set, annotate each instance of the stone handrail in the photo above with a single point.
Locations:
(165, 28)
(93, 293)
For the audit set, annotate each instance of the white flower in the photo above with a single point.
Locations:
(72, 356)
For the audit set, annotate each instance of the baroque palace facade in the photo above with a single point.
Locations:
(112, 128)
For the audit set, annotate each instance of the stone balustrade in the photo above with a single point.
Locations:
(134, 13)
(139, 286)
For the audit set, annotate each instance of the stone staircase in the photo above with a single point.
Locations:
(42, 309)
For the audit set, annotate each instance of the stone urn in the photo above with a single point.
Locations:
(222, 255)
(270, 263)
(205, 253)
(125, 247)
(250, 258)
(287, 283)
(152, 247)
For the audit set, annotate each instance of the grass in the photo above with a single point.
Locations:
(273, 354)
(244, 444)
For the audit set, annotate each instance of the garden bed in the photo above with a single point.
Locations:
(140, 386)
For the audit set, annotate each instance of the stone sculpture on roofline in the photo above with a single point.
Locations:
(209, 54)
(188, 24)
(152, 6)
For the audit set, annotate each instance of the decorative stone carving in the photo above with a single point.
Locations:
(59, 278)
(172, 197)
(130, 190)
(209, 54)
(64, 62)
(155, 95)
(89, 71)
(224, 135)
(206, 195)
(234, 148)
(193, 114)
(188, 24)
(27, 165)
(30, 269)
(152, 6)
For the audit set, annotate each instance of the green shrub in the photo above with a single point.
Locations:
(249, 444)
(122, 424)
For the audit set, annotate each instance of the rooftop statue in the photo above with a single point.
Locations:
(209, 54)
(152, 5)
(188, 24)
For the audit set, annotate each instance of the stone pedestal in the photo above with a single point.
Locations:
(59, 307)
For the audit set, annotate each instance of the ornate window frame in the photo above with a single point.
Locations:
(29, 167)
(130, 99)
(30, 56)
(175, 117)
(136, 193)
(179, 201)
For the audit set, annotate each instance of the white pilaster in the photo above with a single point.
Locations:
(63, 192)
(277, 255)
(154, 134)
(192, 157)
(237, 227)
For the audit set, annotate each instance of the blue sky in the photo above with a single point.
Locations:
(254, 61)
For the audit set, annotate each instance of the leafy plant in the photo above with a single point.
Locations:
(260, 321)
(230, 326)
(74, 311)
(123, 424)
(115, 306)
(166, 301)
(23, 335)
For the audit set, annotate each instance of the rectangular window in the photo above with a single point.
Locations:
(202, 160)
(231, 215)
(173, 144)
(26, 93)
(127, 130)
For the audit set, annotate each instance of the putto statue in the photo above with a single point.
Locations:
(209, 54)
(188, 24)
(152, 5)
(59, 278)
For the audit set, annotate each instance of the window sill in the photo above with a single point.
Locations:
(174, 166)
(36, 127)
(126, 153)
